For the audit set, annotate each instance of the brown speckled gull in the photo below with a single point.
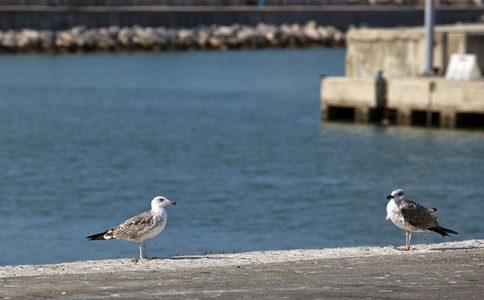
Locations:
(411, 216)
(139, 228)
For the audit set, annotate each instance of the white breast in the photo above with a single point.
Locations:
(159, 226)
(394, 214)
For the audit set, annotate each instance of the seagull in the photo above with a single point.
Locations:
(412, 216)
(139, 228)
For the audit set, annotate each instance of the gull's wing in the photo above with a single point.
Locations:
(418, 216)
(130, 228)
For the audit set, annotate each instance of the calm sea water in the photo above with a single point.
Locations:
(235, 138)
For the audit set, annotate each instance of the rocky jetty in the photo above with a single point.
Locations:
(219, 37)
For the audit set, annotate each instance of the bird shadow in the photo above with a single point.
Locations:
(192, 258)
(455, 248)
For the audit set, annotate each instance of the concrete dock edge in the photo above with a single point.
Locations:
(424, 101)
(452, 270)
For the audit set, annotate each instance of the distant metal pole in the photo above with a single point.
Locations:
(429, 37)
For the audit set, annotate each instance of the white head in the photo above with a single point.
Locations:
(397, 196)
(159, 202)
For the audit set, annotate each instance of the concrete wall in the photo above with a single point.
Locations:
(409, 94)
(54, 18)
(396, 51)
(470, 95)
(404, 99)
(233, 2)
(413, 93)
(400, 52)
(361, 92)
(361, 97)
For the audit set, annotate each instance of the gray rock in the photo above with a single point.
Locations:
(9, 40)
(222, 37)
(27, 38)
(46, 39)
(125, 36)
(201, 36)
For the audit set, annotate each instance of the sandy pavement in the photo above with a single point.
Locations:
(220, 260)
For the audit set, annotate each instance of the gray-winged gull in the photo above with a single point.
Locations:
(139, 228)
(412, 216)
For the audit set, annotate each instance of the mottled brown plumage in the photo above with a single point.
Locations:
(135, 228)
(139, 228)
(411, 216)
(418, 216)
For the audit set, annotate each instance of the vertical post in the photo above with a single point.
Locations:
(381, 90)
(324, 107)
(448, 119)
(362, 114)
(404, 116)
(429, 37)
(429, 105)
(381, 98)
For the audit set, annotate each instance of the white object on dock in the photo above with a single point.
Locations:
(463, 67)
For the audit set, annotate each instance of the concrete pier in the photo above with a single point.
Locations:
(428, 101)
(402, 95)
(453, 270)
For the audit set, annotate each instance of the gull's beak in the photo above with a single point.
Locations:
(173, 202)
(389, 197)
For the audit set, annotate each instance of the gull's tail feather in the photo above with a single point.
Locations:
(97, 236)
(443, 231)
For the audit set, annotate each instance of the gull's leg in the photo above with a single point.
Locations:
(407, 242)
(409, 239)
(142, 245)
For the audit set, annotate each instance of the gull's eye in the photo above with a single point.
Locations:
(400, 193)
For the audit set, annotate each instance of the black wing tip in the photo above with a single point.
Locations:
(443, 231)
(449, 230)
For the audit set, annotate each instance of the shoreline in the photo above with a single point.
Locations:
(187, 262)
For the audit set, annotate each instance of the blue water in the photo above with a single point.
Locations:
(235, 138)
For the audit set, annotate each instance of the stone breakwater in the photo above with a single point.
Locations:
(218, 37)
